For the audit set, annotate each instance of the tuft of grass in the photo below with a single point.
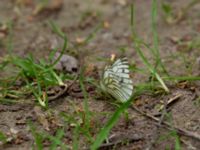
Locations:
(56, 140)
(76, 135)
(86, 107)
(172, 134)
(37, 136)
(138, 42)
(38, 76)
(75, 122)
(155, 50)
(41, 136)
(150, 67)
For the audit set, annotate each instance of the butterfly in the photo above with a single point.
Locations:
(116, 80)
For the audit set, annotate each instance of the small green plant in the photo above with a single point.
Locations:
(41, 136)
(37, 74)
(155, 51)
(173, 134)
(3, 138)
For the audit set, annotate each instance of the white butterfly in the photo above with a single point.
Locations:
(116, 80)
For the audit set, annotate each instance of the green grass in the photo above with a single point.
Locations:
(171, 135)
(137, 43)
(86, 107)
(104, 132)
(38, 138)
(158, 69)
(38, 76)
(41, 136)
(3, 137)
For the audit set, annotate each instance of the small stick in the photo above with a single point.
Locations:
(170, 101)
(159, 125)
(62, 92)
(130, 139)
(163, 108)
(167, 125)
(189, 145)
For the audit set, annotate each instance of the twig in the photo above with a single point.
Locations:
(170, 101)
(159, 125)
(127, 139)
(64, 91)
(163, 108)
(167, 125)
(189, 145)
(123, 138)
(59, 94)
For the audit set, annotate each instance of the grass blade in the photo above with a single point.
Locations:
(110, 123)
(151, 69)
(59, 135)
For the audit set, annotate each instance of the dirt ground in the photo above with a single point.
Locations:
(32, 34)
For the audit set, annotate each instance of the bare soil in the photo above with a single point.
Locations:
(32, 34)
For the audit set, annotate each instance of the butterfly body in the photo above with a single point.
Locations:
(116, 80)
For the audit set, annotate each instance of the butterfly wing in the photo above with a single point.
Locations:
(116, 80)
